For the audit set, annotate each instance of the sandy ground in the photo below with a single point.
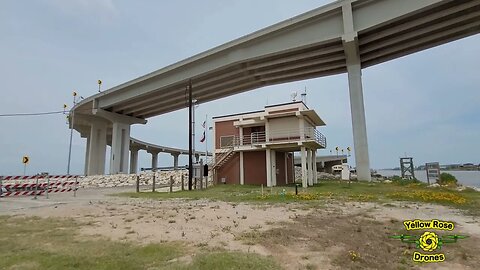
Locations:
(298, 236)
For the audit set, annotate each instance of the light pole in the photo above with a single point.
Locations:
(72, 114)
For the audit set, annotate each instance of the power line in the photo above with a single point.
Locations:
(31, 114)
(43, 113)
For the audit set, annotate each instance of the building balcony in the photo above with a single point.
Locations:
(261, 139)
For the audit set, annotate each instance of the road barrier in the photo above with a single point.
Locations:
(60, 184)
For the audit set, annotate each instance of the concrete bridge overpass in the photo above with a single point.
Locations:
(342, 37)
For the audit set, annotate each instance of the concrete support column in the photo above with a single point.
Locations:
(240, 131)
(358, 122)
(175, 160)
(285, 155)
(315, 170)
(120, 146)
(97, 148)
(304, 166)
(268, 156)
(292, 165)
(310, 169)
(87, 155)
(273, 159)
(354, 69)
(242, 170)
(133, 160)
(154, 160)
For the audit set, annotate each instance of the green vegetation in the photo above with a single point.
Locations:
(403, 182)
(36, 243)
(447, 179)
(398, 190)
(232, 261)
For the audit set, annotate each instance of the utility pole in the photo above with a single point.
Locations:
(190, 142)
(72, 115)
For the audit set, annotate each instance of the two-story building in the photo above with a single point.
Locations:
(258, 147)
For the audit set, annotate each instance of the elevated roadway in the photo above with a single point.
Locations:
(342, 37)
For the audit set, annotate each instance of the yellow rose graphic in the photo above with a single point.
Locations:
(428, 241)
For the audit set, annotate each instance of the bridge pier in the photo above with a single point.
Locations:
(87, 155)
(358, 122)
(175, 161)
(120, 146)
(357, 107)
(154, 159)
(133, 160)
(97, 148)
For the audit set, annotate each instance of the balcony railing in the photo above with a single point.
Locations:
(294, 135)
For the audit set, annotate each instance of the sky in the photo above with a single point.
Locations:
(424, 105)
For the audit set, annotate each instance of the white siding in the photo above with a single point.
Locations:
(282, 126)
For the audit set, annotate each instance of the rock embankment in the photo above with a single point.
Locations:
(162, 178)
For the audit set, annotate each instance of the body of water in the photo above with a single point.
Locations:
(466, 178)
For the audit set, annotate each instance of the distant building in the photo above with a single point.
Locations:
(325, 163)
(258, 147)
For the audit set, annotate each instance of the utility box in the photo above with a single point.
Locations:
(345, 172)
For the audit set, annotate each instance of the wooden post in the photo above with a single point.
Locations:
(183, 187)
(171, 183)
(154, 175)
(138, 183)
(75, 187)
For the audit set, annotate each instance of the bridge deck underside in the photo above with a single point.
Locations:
(423, 29)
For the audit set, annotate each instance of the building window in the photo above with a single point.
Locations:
(226, 141)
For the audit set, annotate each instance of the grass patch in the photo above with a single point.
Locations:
(37, 243)
(401, 190)
(232, 261)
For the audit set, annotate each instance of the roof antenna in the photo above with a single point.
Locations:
(293, 96)
(304, 96)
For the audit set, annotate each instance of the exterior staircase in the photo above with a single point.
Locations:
(220, 159)
(223, 158)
